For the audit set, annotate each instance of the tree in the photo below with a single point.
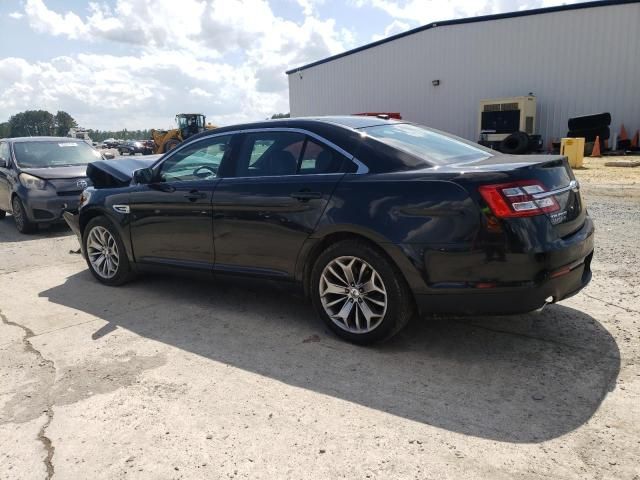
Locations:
(32, 123)
(5, 130)
(64, 122)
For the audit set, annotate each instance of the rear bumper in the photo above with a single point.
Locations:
(509, 300)
(532, 279)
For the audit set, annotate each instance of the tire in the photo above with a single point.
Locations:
(170, 144)
(390, 290)
(23, 224)
(2, 214)
(590, 134)
(596, 120)
(515, 144)
(99, 233)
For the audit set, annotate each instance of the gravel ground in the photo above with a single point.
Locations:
(178, 378)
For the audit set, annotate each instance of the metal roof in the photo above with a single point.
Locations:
(462, 21)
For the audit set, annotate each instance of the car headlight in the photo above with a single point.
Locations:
(31, 182)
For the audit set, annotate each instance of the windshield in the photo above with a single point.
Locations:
(431, 145)
(57, 153)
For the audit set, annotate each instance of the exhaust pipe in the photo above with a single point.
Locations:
(547, 301)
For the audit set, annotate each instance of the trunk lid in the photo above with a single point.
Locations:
(552, 173)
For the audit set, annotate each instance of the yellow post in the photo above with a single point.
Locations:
(573, 149)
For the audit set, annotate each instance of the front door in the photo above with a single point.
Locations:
(263, 214)
(5, 180)
(171, 219)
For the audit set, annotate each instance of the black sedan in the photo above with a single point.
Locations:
(42, 176)
(375, 219)
(132, 147)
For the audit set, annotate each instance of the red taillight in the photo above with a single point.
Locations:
(518, 199)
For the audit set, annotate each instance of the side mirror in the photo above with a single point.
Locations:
(143, 175)
(3, 163)
(108, 155)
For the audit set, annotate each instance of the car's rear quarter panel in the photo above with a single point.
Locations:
(411, 217)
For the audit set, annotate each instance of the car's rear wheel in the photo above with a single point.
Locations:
(23, 224)
(2, 214)
(359, 293)
(105, 253)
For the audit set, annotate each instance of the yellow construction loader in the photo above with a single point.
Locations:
(189, 124)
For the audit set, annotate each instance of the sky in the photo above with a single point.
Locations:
(134, 64)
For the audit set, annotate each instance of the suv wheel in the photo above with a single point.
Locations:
(359, 294)
(23, 224)
(105, 253)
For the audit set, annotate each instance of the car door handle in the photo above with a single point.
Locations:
(194, 195)
(304, 196)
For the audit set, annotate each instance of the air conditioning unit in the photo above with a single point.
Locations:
(509, 124)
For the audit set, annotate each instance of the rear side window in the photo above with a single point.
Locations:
(318, 159)
(285, 153)
(270, 154)
(432, 146)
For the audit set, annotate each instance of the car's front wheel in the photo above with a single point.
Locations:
(105, 253)
(23, 224)
(359, 293)
(2, 214)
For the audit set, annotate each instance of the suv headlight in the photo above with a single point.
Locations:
(31, 182)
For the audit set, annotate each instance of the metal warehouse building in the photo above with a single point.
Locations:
(576, 59)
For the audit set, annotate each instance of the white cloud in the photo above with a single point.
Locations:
(16, 15)
(395, 27)
(44, 20)
(421, 12)
(226, 58)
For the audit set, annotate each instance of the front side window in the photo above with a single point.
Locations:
(4, 151)
(424, 143)
(200, 161)
(54, 153)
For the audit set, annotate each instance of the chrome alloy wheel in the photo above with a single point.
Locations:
(102, 251)
(353, 294)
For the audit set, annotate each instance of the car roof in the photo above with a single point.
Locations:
(346, 121)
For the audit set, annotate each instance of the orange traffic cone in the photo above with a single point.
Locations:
(623, 133)
(596, 148)
(636, 139)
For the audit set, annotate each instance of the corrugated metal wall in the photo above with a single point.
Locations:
(576, 62)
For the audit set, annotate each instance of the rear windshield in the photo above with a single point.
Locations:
(54, 153)
(431, 145)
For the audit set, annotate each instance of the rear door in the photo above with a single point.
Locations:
(171, 219)
(272, 202)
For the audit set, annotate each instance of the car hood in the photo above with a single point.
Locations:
(117, 173)
(57, 172)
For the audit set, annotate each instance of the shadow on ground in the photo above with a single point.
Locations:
(9, 233)
(514, 379)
